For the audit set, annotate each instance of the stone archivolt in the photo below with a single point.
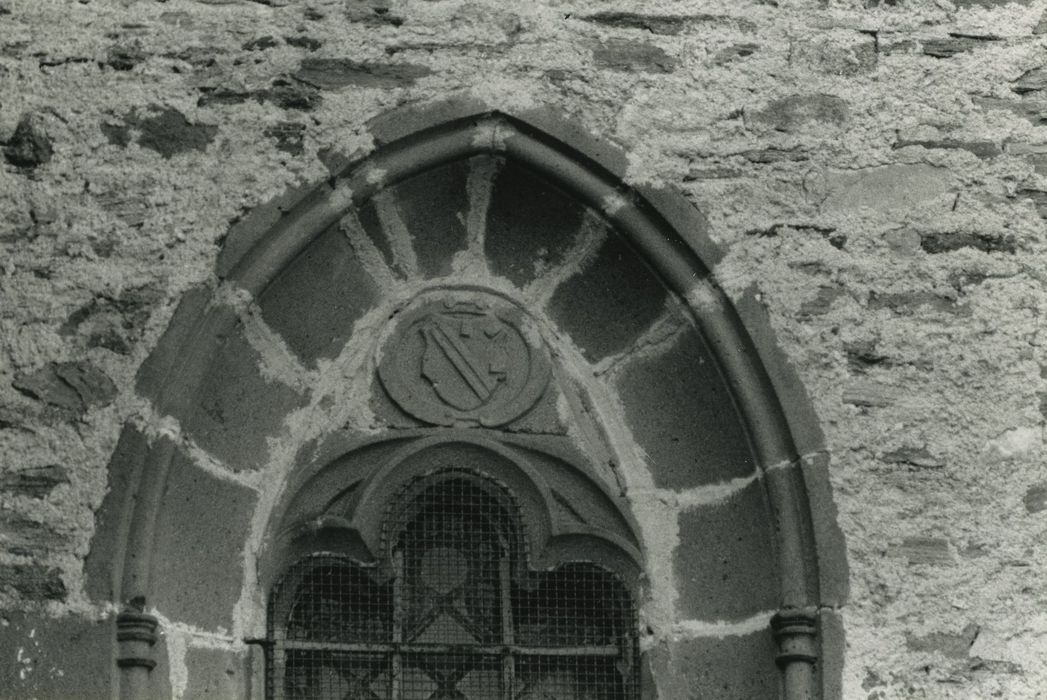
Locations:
(484, 290)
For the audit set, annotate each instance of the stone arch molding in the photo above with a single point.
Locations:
(655, 417)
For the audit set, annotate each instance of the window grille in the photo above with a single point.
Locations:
(453, 613)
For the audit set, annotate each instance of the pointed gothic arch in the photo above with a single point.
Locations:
(208, 501)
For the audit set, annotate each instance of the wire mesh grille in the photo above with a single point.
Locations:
(337, 601)
(460, 617)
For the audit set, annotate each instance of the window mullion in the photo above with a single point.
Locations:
(508, 635)
(279, 660)
(396, 672)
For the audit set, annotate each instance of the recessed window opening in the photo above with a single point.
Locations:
(453, 611)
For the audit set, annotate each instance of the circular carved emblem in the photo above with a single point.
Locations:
(466, 361)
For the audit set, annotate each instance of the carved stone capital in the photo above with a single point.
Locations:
(796, 631)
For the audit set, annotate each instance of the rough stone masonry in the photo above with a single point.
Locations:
(877, 168)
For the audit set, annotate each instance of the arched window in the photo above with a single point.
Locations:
(452, 414)
(453, 610)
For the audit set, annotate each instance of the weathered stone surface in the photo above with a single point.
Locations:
(834, 572)
(934, 551)
(1037, 196)
(129, 204)
(909, 303)
(887, 188)
(170, 133)
(951, 644)
(681, 413)
(903, 241)
(250, 227)
(733, 667)
(850, 55)
(159, 685)
(217, 420)
(726, 567)
(822, 301)
(161, 129)
(1029, 107)
(775, 155)
(113, 322)
(288, 136)
(668, 24)
(46, 657)
(919, 457)
(197, 562)
(373, 13)
(35, 482)
(530, 225)
(26, 537)
(1034, 154)
(91, 384)
(337, 73)
(434, 206)
(955, 44)
(387, 412)
(606, 153)
(796, 112)
(981, 149)
(1035, 498)
(116, 134)
(805, 426)
(940, 242)
(200, 57)
(1032, 80)
(261, 43)
(178, 18)
(34, 582)
(833, 645)
(863, 354)
(868, 394)
(315, 301)
(155, 372)
(285, 94)
(103, 564)
(304, 42)
(829, 233)
(987, 3)
(735, 52)
(29, 146)
(367, 215)
(215, 673)
(655, 24)
(628, 55)
(124, 57)
(610, 303)
(71, 386)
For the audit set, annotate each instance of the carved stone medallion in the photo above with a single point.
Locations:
(464, 360)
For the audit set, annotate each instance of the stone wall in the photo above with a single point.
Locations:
(875, 169)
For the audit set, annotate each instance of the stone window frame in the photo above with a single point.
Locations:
(660, 224)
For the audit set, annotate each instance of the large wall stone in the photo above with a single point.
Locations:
(718, 667)
(55, 657)
(200, 535)
(729, 545)
(680, 411)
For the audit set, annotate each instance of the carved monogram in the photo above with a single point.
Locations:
(464, 361)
